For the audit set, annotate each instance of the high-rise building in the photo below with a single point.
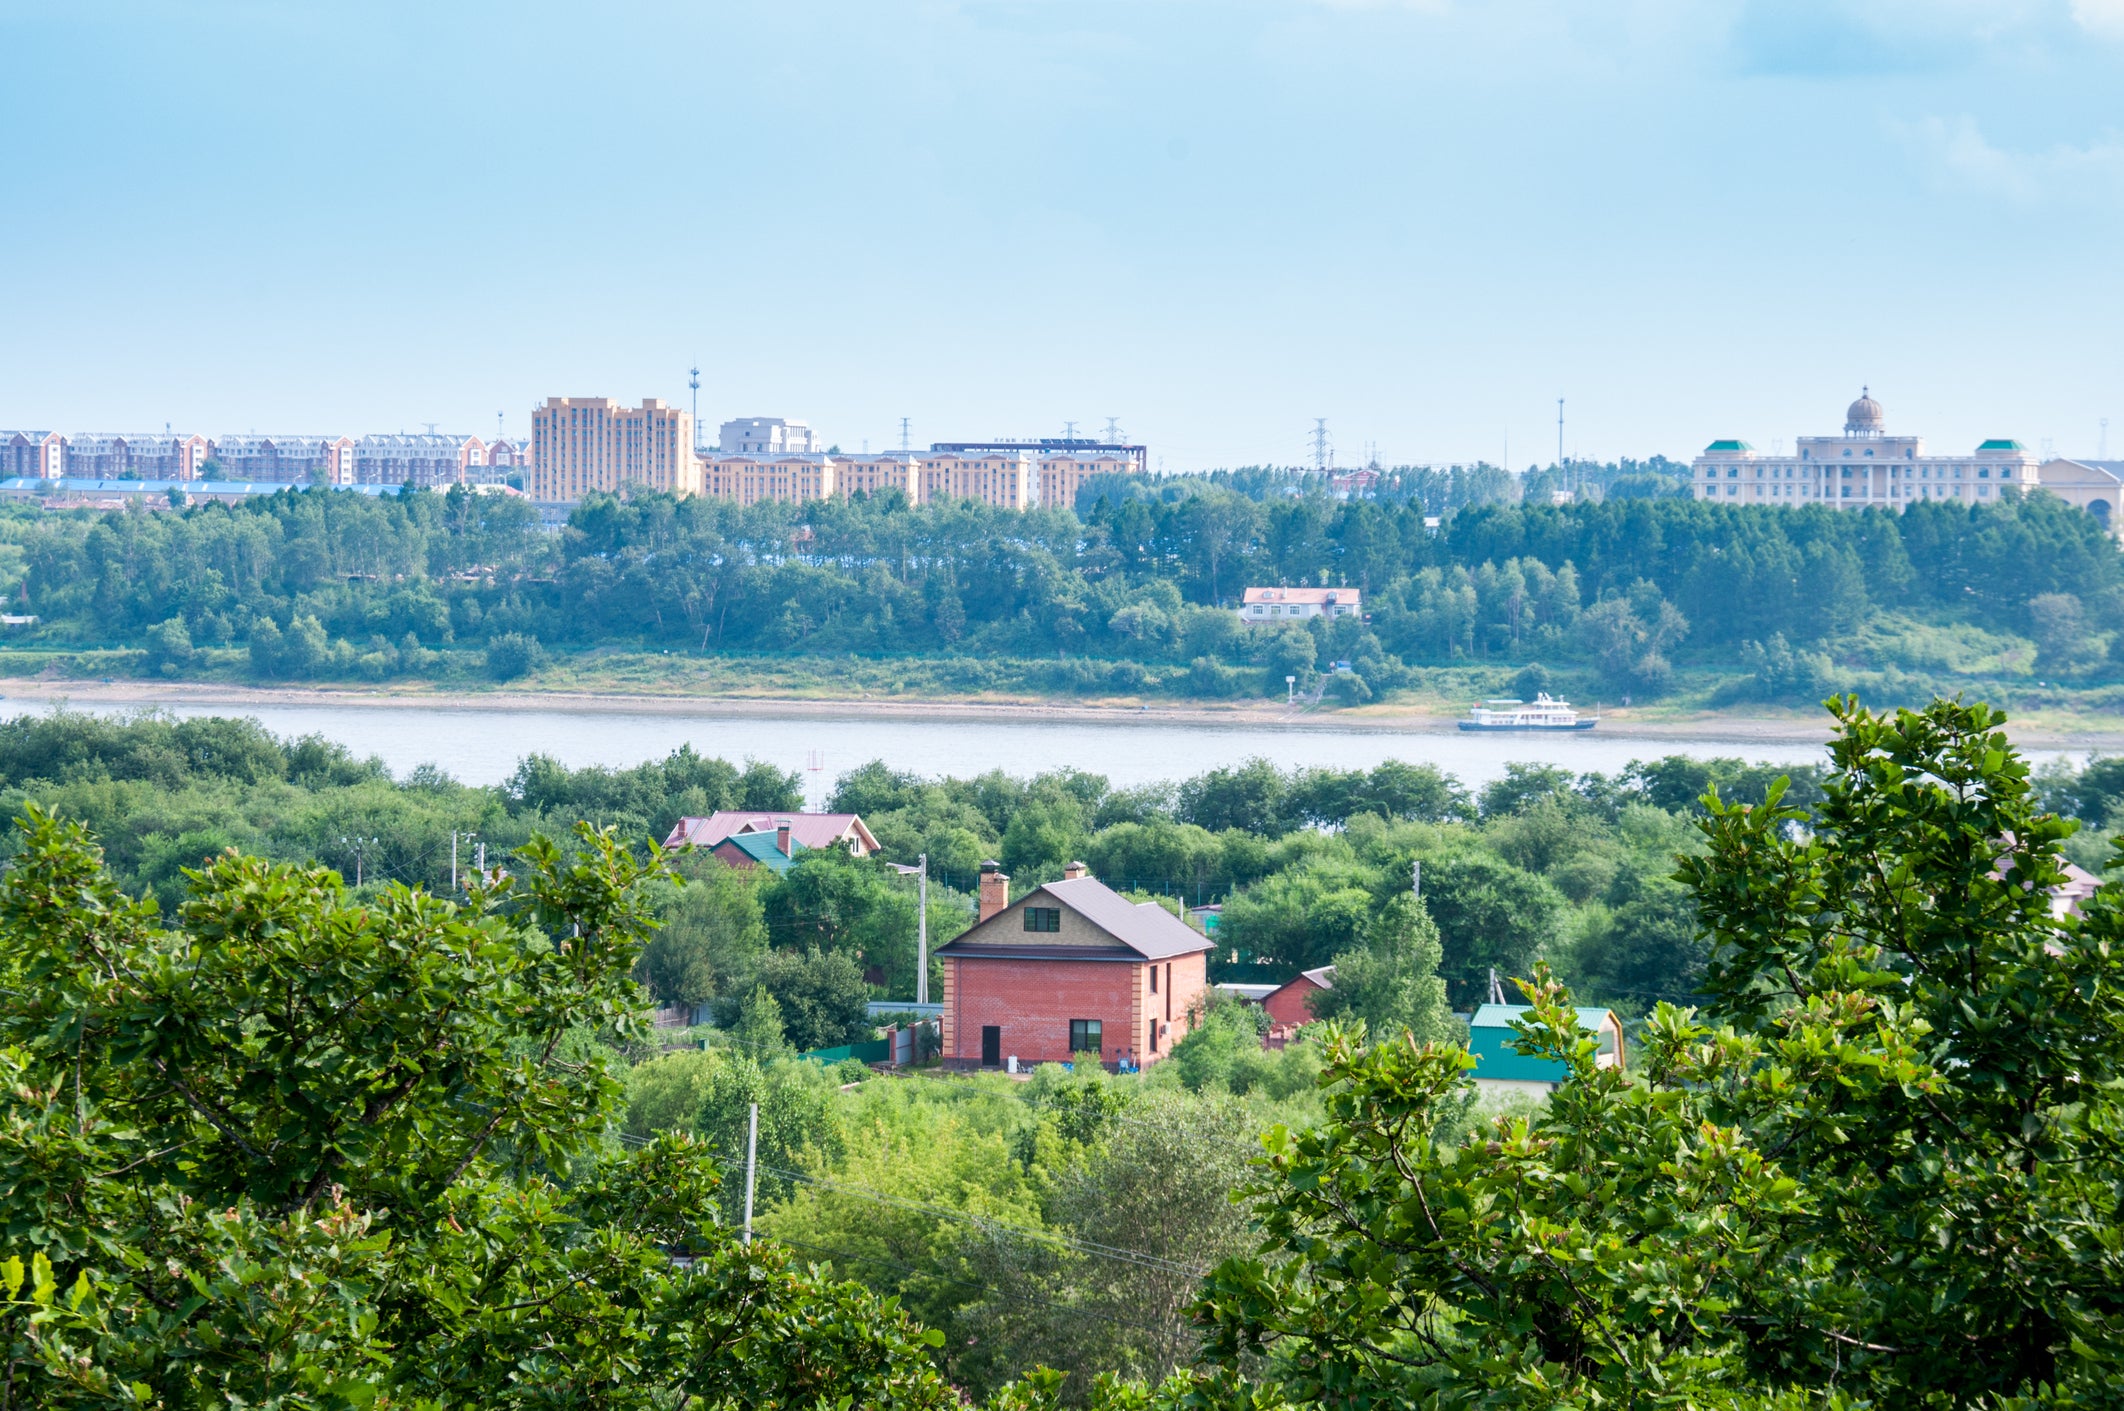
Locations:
(1863, 467)
(581, 444)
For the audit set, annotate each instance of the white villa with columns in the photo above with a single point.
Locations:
(1864, 466)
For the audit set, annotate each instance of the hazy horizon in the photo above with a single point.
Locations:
(1211, 219)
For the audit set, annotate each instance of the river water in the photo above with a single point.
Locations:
(482, 744)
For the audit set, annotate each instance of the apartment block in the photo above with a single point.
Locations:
(1007, 479)
(426, 459)
(144, 455)
(293, 460)
(32, 455)
(874, 474)
(585, 444)
(749, 479)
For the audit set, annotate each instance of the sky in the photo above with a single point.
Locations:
(1211, 220)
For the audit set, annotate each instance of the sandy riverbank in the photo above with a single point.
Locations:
(1794, 727)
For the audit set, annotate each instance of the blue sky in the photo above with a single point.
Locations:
(1212, 219)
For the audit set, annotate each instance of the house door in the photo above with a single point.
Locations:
(991, 1045)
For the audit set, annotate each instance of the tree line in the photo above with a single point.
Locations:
(1132, 592)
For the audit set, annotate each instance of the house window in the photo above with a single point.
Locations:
(1043, 918)
(1084, 1036)
(1154, 979)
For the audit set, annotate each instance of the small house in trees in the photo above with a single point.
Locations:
(776, 851)
(1071, 971)
(812, 830)
(1501, 1069)
(1290, 1004)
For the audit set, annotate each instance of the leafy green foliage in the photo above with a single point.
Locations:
(1880, 1170)
(300, 1151)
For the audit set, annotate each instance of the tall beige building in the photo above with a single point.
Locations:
(1863, 467)
(581, 444)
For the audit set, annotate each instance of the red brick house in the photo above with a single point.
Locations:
(1291, 1003)
(1071, 970)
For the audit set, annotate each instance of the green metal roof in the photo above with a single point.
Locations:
(2001, 445)
(760, 847)
(1729, 446)
(1490, 1040)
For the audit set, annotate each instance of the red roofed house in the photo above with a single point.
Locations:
(1071, 970)
(1291, 1003)
(812, 830)
(1272, 607)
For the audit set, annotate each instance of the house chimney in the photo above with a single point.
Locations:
(995, 889)
(781, 835)
(1075, 870)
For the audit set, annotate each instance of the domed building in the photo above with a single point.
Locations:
(1863, 467)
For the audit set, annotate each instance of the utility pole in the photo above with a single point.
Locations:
(752, 1146)
(1416, 878)
(483, 858)
(922, 929)
(453, 861)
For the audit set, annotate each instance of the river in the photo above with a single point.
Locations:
(482, 744)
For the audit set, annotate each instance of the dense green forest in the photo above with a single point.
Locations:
(1130, 594)
(453, 1167)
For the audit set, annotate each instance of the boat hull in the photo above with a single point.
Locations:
(1529, 729)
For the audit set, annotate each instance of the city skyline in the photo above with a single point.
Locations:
(1424, 221)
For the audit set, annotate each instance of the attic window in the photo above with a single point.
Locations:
(1043, 918)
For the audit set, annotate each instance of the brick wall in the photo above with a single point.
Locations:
(1293, 1003)
(1032, 1001)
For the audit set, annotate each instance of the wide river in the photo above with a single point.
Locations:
(482, 744)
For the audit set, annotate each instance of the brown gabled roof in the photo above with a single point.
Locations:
(1145, 928)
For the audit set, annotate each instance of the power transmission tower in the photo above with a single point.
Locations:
(1320, 444)
(1113, 430)
(1069, 431)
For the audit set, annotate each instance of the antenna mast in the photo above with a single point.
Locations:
(693, 380)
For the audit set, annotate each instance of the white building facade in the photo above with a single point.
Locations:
(768, 436)
(1862, 468)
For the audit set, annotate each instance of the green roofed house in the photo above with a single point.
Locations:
(1501, 1069)
(774, 851)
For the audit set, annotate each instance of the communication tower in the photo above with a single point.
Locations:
(693, 380)
(903, 433)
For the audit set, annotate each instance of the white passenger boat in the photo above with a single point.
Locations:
(1543, 714)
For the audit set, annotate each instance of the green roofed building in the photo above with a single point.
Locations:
(1865, 468)
(1500, 1068)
